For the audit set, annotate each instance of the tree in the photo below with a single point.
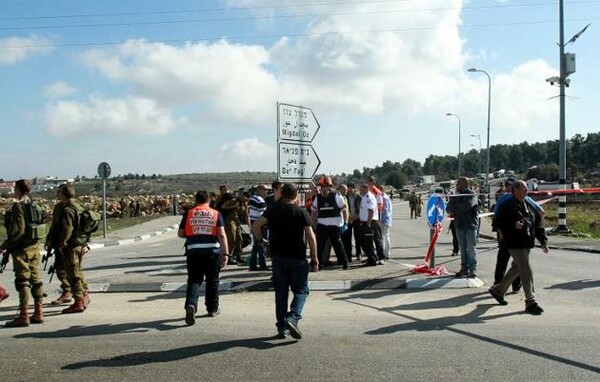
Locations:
(397, 179)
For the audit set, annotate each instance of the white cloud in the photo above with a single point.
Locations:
(387, 58)
(17, 49)
(131, 115)
(250, 154)
(59, 89)
(228, 79)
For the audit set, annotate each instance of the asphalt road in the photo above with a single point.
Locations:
(360, 336)
(364, 335)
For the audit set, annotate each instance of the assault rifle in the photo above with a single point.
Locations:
(45, 258)
(57, 262)
(5, 258)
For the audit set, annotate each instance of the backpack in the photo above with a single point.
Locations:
(35, 221)
(89, 221)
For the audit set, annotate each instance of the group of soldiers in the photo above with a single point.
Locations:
(64, 241)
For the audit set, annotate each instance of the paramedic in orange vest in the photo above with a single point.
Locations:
(206, 253)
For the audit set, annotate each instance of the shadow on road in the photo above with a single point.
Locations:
(576, 285)
(476, 316)
(106, 329)
(170, 355)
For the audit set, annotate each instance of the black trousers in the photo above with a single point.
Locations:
(199, 266)
(501, 264)
(378, 239)
(333, 233)
(353, 230)
(367, 241)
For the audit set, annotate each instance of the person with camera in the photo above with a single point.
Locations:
(519, 224)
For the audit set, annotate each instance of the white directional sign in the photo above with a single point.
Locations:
(297, 162)
(296, 123)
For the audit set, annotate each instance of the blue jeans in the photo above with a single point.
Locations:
(467, 237)
(258, 251)
(289, 274)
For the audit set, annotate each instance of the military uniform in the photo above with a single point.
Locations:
(52, 244)
(229, 209)
(72, 253)
(26, 263)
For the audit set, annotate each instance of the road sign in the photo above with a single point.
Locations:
(297, 162)
(104, 170)
(436, 207)
(296, 123)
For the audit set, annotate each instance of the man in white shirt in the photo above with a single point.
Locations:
(368, 216)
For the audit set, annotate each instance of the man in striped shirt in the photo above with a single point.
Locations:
(256, 208)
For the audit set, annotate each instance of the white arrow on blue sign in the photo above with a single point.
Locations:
(436, 207)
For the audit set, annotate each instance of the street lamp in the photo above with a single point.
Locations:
(478, 136)
(487, 154)
(457, 117)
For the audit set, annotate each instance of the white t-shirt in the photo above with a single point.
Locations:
(334, 221)
(367, 203)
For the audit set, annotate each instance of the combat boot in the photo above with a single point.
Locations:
(64, 298)
(38, 314)
(77, 307)
(22, 319)
(3, 294)
(86, 298)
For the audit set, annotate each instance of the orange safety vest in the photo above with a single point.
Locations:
(201, 220)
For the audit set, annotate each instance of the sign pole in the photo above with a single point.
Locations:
(104, 205)
(104, 173)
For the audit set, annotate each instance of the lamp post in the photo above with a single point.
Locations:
(487, 154)
(457, 117)
(478, 136)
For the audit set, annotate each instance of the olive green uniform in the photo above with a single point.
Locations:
(25, 254)
(72, 250)
(52, 242)
(230, 222)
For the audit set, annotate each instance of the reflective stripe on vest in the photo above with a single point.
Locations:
(203, 246)
(201, 221)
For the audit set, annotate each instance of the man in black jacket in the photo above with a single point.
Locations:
(519, 224)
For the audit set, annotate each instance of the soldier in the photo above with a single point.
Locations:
(51, 245)
(228, 206)
(413, 202)
(71, 248)
(23, 244)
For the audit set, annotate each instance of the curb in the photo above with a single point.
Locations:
(135, 239)
(321, 285)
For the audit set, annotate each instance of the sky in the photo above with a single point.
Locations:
(155, 87)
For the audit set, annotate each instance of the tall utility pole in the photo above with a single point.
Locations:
(562, 147)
